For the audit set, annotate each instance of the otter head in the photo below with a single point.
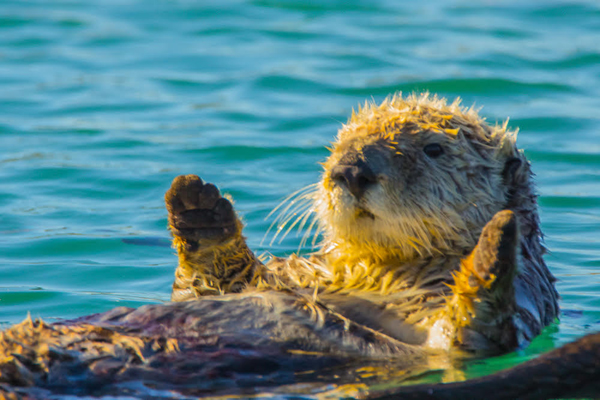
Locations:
(415, 177)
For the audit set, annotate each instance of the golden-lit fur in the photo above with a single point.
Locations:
(232, 259)
(444, 211)
(405, 245)
(429, 240)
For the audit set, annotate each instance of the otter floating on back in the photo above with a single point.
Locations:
(405, 195)
(430, 242)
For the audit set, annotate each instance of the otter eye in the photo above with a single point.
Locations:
(433, 150)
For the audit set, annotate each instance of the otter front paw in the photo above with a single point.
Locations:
(198, 213)
(483, 304)
(496, 251)
(213, 255)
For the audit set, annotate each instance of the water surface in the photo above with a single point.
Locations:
(103, 102)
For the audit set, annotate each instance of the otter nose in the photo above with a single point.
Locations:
(356, 176)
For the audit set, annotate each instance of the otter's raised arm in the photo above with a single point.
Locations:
(207, 234)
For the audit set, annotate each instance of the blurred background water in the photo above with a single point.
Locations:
(104, 102)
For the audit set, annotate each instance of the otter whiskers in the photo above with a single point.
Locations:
(295, 210)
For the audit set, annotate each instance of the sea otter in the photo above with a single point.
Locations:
(430, 231)
(430, 247)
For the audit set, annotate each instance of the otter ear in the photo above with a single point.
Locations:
(509, 173)
(512, 176)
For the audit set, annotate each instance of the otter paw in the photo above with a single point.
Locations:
(198, 213)
(496, 251)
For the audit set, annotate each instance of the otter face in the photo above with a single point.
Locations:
(416, 180)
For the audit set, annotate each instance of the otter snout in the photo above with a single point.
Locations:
(357, 177)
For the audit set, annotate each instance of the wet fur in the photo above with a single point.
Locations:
(440, 254)
(414, 255)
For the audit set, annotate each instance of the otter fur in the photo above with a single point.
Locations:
(430, 245)
(404, 197)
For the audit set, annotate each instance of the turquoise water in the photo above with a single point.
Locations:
(104, 102)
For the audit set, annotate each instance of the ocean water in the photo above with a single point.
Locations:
(104, 102)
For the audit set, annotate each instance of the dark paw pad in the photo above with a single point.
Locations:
(197, 211)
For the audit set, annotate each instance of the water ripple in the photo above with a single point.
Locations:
(104, 102)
